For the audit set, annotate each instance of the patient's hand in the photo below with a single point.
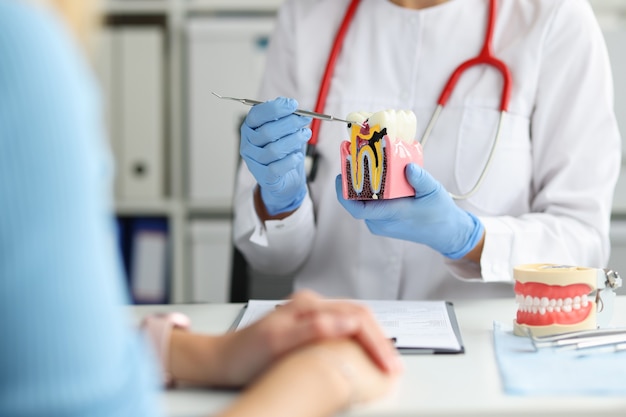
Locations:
(318, 379)
(306, 319)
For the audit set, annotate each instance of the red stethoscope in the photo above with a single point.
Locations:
(485, 57)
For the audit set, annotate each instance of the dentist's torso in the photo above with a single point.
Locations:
(396, 58)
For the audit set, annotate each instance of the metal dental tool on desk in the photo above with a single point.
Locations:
(314, 115)
(584, 339)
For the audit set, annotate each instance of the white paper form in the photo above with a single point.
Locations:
(426, 325)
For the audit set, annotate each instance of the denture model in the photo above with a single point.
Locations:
(554, 299)
(373, 161)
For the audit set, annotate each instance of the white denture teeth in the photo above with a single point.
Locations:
(545, 305)
(584, 300)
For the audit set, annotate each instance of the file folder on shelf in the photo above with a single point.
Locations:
(144, 242)
(224, 54)
(129, 62)
(141, 117)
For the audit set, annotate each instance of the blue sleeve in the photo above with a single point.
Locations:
(67, 346)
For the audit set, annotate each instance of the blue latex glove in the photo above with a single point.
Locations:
(431, 217)
(273, 144)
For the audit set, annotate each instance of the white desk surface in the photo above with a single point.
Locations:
(432, 385)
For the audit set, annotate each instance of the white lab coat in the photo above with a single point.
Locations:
(547, 196)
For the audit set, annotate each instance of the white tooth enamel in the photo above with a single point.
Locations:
(584, 300)
(559, 303)
(567, 308)
(542, 310)
(409, 126)
(550, 309)
(567, 302)
(552, 302)
(528, 301)
(358, 117)
(576, 306)
(385, 119)
(536, 302)
(545, 302)
(557, 309)
(400, 125)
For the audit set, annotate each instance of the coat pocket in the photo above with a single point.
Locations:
(506, 185)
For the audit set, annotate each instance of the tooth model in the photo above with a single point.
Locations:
(554, 299)
(373, 161)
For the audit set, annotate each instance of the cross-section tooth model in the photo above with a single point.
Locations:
(373, 161)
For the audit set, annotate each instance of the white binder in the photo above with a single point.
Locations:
(129, 61)
(138, 111)
(149, 267)
(225, 55)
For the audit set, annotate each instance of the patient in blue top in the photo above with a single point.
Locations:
(68, 348)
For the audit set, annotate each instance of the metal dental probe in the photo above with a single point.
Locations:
(314, 115)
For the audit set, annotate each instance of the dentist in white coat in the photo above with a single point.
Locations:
(546, 196)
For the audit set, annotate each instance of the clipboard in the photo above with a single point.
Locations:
(417, 327)
(435, 351)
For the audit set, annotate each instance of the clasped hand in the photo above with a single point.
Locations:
(430, 217)
(304, 321)
(273, 143)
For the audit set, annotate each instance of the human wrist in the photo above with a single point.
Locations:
(262, 210)
(474, 235)
(476, 253)
(195, 358)
(159, 329)
(300, 383)
(341, 377)
(285, 203)
(328, 380)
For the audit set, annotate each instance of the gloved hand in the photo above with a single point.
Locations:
(430, 217)
(273, 143)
